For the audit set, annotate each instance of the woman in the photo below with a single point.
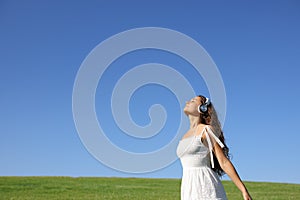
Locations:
(204, 155)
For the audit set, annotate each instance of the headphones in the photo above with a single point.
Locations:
(203, 108)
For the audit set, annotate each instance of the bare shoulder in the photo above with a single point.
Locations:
(201, 128)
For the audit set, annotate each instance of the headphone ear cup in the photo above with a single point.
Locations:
(203, 108)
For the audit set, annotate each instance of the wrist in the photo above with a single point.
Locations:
(244, 190)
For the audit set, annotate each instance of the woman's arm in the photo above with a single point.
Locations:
(229, 169)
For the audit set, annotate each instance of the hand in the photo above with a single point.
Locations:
(247, 196)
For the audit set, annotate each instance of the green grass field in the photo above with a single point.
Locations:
(125, 188)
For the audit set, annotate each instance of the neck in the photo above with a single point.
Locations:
(194, 121)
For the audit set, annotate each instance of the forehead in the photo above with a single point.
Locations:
(196, 98)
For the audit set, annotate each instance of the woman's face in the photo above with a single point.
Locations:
(191, 107)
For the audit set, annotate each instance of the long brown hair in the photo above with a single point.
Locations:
(211, 118)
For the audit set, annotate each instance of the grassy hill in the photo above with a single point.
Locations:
(125, 189)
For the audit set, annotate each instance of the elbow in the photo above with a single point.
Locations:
(223, 164)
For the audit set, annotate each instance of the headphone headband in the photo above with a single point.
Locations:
(207, 101)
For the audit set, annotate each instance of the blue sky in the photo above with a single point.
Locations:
(254, 44)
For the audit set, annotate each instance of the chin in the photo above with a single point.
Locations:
(186, 111)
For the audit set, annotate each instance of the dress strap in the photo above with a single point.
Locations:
(209, 133)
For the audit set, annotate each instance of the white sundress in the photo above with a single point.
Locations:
(199, 181)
